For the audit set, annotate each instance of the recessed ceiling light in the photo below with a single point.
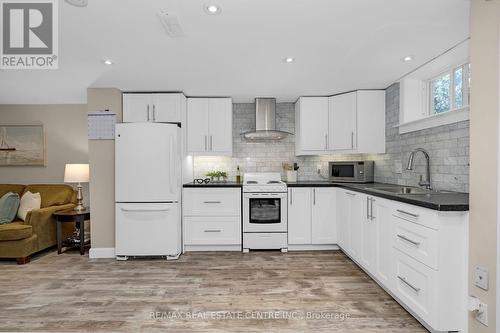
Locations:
(78, 3)
(289, 60)
(407, 58)
(108, 62)
(213, 9)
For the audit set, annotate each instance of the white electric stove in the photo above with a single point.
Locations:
(264, 212)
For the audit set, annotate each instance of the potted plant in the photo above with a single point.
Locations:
(212, 175)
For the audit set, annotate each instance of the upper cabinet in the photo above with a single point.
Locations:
(154, 107)
(210, 126)
(342, 121)
(311, 125)
(347, 123)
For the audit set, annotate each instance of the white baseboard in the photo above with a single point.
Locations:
(102, 253)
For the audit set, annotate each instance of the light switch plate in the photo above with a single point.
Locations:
(481, 279)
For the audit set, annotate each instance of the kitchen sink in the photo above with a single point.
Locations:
(403, 190)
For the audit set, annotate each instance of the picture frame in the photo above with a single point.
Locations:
(23, 145)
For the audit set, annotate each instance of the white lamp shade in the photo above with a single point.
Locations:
(76, 173)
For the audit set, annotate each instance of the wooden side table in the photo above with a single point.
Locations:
(72, 216)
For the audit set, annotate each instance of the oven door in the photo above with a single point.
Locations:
(264, 212)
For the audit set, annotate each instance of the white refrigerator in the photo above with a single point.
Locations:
(147, 190)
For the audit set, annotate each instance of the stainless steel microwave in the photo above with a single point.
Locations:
(351, 171)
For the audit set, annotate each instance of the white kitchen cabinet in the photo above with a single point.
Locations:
(381, 215)
(211, 219)
(376, 242)
(209, 126)
(342, 112)
(356, 203)
(416, 254)
(299, 215)
(153, 107)
(311, 218)
(324, 227)
(311, 125)
(368, 255)
(370, 131)
(349, 123)
(220, 125)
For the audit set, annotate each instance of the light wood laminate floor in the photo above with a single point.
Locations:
(69, 292)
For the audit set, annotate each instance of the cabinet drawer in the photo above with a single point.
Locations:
(417, 241)
(212, 202)
(212, 230)
(416, 286)
(419, 215)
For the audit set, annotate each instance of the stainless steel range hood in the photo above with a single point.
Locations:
(265, 122)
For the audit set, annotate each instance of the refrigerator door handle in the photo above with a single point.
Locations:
(172, 165)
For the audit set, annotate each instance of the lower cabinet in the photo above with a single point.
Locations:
(349, 220)
(212, 219)
(311, 217)
(418, 255)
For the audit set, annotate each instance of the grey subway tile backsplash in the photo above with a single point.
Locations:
(448, 147)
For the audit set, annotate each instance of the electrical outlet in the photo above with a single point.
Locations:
(398, 167)
(481, 279)
(482, 314)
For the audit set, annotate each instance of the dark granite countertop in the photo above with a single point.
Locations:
(446, 201)
(214, 185)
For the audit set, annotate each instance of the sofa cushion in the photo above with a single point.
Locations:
(16, 188)
(52, 194)
(9, 203)
(29, 201)
(15, 231)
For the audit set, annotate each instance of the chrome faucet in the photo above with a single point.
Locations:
(427, 182)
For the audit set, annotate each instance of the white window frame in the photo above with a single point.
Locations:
(465, 89)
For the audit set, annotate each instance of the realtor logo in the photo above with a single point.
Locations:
(29, 38)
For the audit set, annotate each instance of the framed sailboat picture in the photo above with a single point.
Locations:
(22, 145)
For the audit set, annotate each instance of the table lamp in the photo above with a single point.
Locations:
(77, 173)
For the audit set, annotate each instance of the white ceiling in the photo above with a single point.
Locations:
(339, 45)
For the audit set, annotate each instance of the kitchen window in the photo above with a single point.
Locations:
(450, 90)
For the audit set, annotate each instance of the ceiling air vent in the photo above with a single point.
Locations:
(171, 24)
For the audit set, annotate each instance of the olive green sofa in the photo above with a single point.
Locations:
(20, 239)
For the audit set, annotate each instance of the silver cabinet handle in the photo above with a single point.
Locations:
(211, 144)
(367, 208)
(352, 140)
(212, 202)
(145, 210)
(147, 113)
(407, 213)
(326, 141)
(353, 194)
(417, 244)
(205, 143)
(403, 279)
(371, 208)
(314, 196)
(291, 196)
(213, 230)
(154, 112)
